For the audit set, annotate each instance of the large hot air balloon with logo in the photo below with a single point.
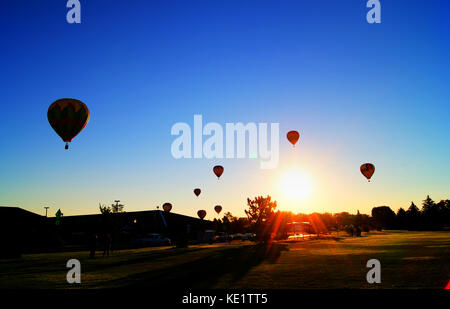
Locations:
(218, 170)
(197, 191)
(201, 214)
(367, 169)
(218, 209)
(293, 137)
(68, 117)
(167, 207)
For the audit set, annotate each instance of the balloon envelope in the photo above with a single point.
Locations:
(68, 117)
(367, 169)
(201, 214)
(197, 191)
(293, 137)
(218, 209)
(218, 170)
(167, 207)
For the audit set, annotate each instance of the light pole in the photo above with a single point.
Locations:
(46, 208)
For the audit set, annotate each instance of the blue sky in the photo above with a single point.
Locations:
(357, 92)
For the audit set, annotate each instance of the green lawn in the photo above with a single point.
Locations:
(408, 260)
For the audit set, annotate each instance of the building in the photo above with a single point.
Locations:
(299, 228)
(23, 231)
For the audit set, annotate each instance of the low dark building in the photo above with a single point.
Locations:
(23, 231)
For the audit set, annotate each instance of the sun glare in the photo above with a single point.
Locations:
(295, 185)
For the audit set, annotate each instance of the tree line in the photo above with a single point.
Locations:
(266, 222)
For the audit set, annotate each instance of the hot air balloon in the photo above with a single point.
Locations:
(218, 170)
(167, 207)
(218, 209)
(201, 214)
(367, 169)
(197, 191)
(68, 117)
(293, 137)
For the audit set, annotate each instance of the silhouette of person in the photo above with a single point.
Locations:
(107, 243)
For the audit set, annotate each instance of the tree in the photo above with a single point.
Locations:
(260, 211)
(358, 223)
(413, 210)
(104, 210)
(401, 218)
(401, 212)
(384, 217)
(428, 207)
(117, 207)
(430, 213)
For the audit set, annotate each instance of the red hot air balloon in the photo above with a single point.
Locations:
(367, 169)
(218, 209)
(167, 207)
(293, 137)
(68, 117)
(201, 214)
(197, 191)
(218, 170)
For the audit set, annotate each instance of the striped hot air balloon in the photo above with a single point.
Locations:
(367, 169)
(68, 117)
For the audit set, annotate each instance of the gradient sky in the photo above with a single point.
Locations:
(357, 92)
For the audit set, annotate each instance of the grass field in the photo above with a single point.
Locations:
(408, 260)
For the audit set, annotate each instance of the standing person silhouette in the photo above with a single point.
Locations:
(107, 243)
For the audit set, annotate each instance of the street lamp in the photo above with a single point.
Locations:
(46, 208)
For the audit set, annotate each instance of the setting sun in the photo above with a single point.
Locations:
(295, 185)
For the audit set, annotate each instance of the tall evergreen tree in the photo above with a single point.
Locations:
(413, 210)
(428, 206)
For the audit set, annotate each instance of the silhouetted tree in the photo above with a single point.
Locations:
(401, 219)
(429, 207)
(104, 209)
(384, 217)
(117, 207)
(260, 210)
(413, 210)
(443, 210)
(412, 217)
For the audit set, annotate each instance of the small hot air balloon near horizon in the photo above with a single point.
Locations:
(68, 117)
(293, 137)
(167, 207)
(367, 169)
(218, 209)
(201, 214)
(218, 170)
(197, 191)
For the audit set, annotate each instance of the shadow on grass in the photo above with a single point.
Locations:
(206, 271)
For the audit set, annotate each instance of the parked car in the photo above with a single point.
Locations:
(236, 236)
(248, 236)
(151, 240)
(209, 236)
(222, 237)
